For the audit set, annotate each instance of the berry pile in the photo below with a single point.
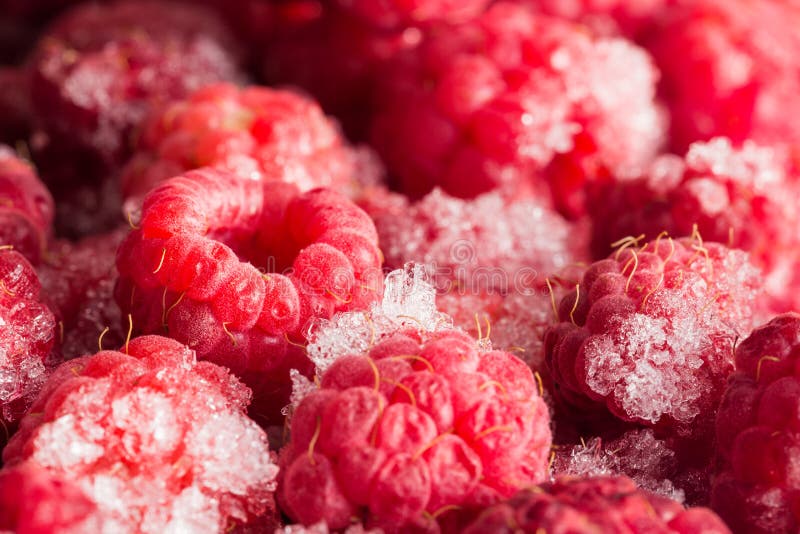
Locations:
(383, 266)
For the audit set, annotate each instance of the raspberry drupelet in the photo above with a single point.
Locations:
(235, 268)
(647, 334)
(413, 419)
(257, 132)
(27, 335)
(156, 440)
(26, 207)
(601, 504)
(519, 100)
(742, 196)
(758, 432)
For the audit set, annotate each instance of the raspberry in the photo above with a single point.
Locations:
(78, 281)
(14, 105)
(739, 196)
(393, 13)
(648, 333)
(158, 441)
(34, 500)
(601, 504)
(629, 17)
(255, 132)
(415, 421)
(235, 267)
(728, 70)
(509, 96)
(26, 207)
(26, 337)
(755, 489)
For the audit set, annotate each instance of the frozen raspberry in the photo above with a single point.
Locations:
(27, 334)
(601, 504)
(758, 432)
(414, 422)
(33, 500)
(629, 17)
(235, 267)
(739, 196)
(256, 132)
(648, 333)
(158, 441)
(78, 281)
(728, 69)
(520, 100)
(26, 207)
(397, 13)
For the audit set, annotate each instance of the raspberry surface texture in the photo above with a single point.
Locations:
(519, 100)
(235, 268)
(601, 504)
(413, 425)
(648, 333)
(727, 69)
(158, 441)
(257, 132)
(755, 489)
(27, 335)
(26, 207)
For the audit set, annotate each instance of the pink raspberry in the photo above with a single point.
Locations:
(78, 281)
(27, 335)
(26, 207)
(647, 335)
(728, 69)
(740, 196)
(255, 132)
(33, 500)
(519, 100)
(755, 489)
(601, 504)
(235, 267)
(158, 441)
(397, 13)
(415, 424)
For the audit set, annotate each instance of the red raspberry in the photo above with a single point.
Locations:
(33, 500)
(26, 207)
(504, 96)
(158, 441)
(602, 504)
(397, 13)
(629, 17)
(256, 132)
(739, 196)
(235, 268)
(78, 281)
(728, 69)
(758, 437)
(648, 333)
(416, 424)
(27, 334)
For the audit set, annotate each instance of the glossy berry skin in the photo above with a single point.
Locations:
(27, 336)
(257, 132)
(755, 488)
(647, 334)
(415, 425)
(235, 268)
(517, 100)
(601, 504)
(26, 207)
(155, 439)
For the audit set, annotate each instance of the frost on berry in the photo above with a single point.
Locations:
(157, 441)
(411, 419)
(27, 335)
(517, 100)
(755, 488)
(236, 268)
(739, 195)
(649, 332)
